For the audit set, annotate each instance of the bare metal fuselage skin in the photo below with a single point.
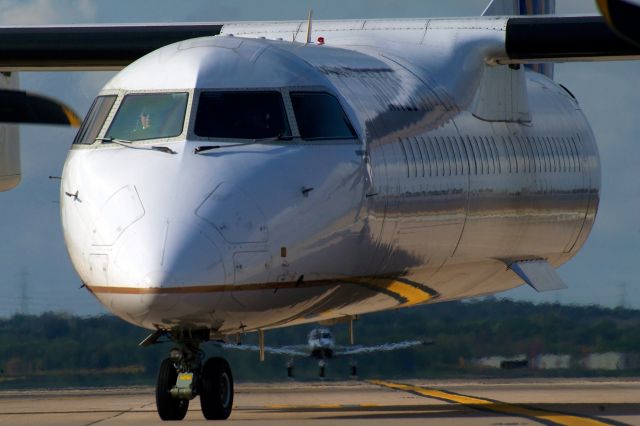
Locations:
(444, 187)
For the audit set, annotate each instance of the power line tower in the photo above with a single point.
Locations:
(24, 291)
(622, 289)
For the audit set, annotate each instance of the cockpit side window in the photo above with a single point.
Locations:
(94, 120)
(149, 116)
(321, 117)
(241, 115)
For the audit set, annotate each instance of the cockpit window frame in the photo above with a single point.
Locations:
(125, 94)
(200, 92)
(355, 138)
(94, 114)
(191, 134)
(121, 94)
(286, 99)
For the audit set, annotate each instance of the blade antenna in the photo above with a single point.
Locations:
(309, 25)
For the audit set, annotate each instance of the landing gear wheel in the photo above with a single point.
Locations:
(168, 407)
(321, 368)
(216, 390)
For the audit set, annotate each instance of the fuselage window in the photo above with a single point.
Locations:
(94, 120)
(561, 155)
(486, 155)
(471, 152)
(523, 162)
(510, 157)
(320, 117)
(241, 115)
(149, 116)
(448, 152)
(513, 156)
(414, 158)
(456, 152)
(494, 154)
(543, 151)
(428, 155)
(529, 164)
(572, 154)
(464, 156)
(439, 157)
(405, 156)
(574, 145)
(419, 150)
(535, 155)
(482, 159)
(555, 161)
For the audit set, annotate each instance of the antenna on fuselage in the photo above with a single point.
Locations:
(309, 25)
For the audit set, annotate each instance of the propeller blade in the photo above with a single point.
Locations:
(21, 107)
(385, 347)
(623, 17)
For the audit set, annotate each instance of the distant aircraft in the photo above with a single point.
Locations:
(281, 173)
(322, 346)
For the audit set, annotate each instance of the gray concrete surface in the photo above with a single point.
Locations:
(488, 402)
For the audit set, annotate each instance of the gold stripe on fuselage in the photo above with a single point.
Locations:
(407, 293)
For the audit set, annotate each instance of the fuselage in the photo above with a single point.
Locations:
(398, 178)
(321, 343)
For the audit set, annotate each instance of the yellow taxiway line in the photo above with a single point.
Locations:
(317, 406)
(547, 417)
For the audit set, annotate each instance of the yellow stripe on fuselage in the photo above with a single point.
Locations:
(411, 294)
(496, 406)
(407, 293)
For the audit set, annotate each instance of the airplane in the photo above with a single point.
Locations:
(321, 345)
(269, 174)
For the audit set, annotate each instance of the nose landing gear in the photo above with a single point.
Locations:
(216, 389)
(183, 376)
(169, 408)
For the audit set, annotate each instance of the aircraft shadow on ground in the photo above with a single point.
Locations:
(457, 410)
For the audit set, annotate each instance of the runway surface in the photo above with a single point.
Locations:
(482, 402)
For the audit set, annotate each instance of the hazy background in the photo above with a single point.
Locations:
(36, 274)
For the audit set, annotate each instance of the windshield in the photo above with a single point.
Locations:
(149, 116)
(94, 120)
(320, 116)
(241, 115)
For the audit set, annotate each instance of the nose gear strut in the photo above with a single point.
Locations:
(184, 375)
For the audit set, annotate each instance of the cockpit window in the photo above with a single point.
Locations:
(320, 116)
(94, 120)
(241, 115)
(149, 116)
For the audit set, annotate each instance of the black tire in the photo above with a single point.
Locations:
(168, 407)
(216, 389)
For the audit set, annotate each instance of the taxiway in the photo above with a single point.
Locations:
(474, 402)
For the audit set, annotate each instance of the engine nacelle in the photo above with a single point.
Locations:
(10, 172)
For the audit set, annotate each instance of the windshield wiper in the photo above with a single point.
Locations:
(128, 144)
(204, 148)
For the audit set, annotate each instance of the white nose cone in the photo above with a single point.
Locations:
(166, 254)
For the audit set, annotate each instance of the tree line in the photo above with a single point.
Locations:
(62, 349)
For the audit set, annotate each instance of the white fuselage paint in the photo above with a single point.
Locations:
(429, 204)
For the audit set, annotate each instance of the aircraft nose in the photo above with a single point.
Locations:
(164, 254)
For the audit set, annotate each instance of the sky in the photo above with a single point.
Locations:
(36, 272)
